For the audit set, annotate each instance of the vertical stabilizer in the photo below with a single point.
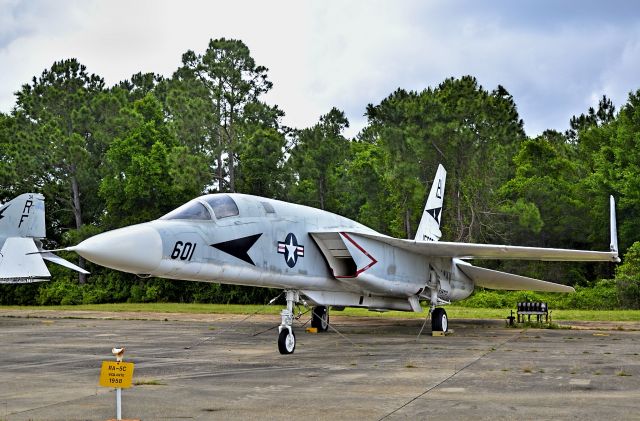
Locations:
(23, 217)
(429, 228)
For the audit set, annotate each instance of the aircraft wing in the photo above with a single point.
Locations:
(504, 252)
(16, 266)
(493, 251)
(500, 280)
(336, 250)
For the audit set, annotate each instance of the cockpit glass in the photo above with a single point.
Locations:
(191, 210)
(223, 206)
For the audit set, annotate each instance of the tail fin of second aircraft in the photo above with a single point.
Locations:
(23, 217)
(429, 228)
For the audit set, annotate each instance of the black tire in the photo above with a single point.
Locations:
(320, 318)
(439, 320)
(286, 341)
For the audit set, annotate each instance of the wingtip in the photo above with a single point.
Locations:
(613, 227)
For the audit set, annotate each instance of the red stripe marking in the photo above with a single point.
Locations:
(359, 271)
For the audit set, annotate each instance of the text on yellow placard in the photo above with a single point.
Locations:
(115, 374)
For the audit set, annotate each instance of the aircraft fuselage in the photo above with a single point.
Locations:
(269, 243)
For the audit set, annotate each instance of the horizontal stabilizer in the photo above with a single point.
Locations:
(494, 279)
(16, 266)
(46, 255)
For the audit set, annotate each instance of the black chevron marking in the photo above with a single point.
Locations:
(435, 212)
(239, 247)
(2, 211)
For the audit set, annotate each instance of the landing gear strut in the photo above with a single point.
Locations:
(286, 337)
(320, 318)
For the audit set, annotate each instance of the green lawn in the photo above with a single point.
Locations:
(454, 312)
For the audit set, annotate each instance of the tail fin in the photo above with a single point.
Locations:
(429, 228)
(23, 217)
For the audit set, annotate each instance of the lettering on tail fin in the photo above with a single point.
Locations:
(23, 216)
(26, 210)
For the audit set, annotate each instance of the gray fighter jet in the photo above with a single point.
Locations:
(318, 258)
(21, 229)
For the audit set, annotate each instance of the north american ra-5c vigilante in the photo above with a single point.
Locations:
(319, 258)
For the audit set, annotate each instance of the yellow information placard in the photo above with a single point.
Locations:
(115, 374)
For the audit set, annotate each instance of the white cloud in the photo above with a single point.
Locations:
(555, 59)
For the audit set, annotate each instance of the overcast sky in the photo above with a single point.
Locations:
(556, 58)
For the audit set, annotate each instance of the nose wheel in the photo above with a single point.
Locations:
(286, 341)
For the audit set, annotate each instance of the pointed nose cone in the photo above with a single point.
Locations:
(135, 249)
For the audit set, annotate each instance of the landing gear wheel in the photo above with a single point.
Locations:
(320, 318)
(439, 321)
(286, 341)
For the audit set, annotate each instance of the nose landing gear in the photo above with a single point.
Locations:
(286, 337)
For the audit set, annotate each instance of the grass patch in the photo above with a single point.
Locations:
(148, 383)
(454, 312)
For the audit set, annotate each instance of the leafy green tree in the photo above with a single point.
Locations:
(628, 278)
(394, 126)
(546, 186)
(476, 128)
(609, 150)
(54, 109)
(229, 81)
(361, 191)
(462, 126)
(544, 202)
(20, 168)
(53, 117)
(261, 152)
(317, 153)
(147, 172)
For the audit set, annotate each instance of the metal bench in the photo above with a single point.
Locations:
(532, 308)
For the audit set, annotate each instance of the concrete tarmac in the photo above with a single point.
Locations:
(221, 367)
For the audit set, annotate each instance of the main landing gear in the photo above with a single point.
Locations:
(320, 318)
(439, 320)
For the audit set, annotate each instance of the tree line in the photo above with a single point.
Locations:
(110, 156)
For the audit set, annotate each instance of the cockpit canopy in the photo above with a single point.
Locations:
(222, 205)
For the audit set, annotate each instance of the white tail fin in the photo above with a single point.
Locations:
(23, 217)
(429, 228)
